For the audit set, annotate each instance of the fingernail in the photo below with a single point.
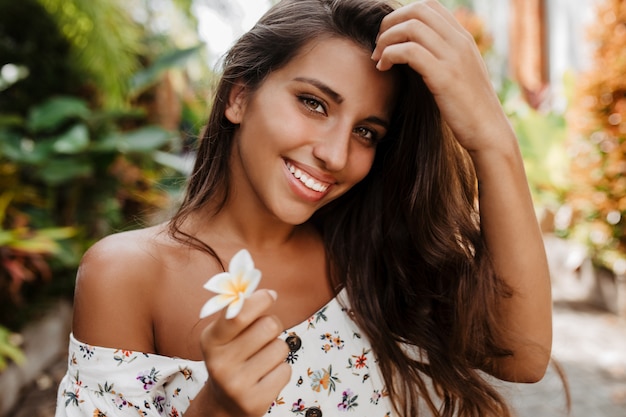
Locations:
(273, 294)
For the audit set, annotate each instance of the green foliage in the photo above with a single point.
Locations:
(104, 41)
(70, 175)
(81, 151)
(29, 40)
(8, 349)
(542, 140)
(63, 147)
(166, 62)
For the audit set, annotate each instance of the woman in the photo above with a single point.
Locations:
(343, 151)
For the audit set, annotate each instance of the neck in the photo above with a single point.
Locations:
(237, 226)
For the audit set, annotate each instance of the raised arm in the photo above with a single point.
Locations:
(427, 37)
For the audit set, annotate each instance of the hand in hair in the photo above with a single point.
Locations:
(427, 37)
(245, 361)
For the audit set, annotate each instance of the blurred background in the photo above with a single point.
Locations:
(101, 102)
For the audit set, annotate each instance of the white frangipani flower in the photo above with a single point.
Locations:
(232, 287)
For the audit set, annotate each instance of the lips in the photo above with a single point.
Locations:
(307, 179)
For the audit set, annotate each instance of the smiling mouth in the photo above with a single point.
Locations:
(307, 180)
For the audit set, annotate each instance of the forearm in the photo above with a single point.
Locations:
(516, 246)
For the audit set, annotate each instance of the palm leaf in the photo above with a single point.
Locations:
(105, 41)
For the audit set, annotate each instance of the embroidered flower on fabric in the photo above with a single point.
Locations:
(348, 401)
(358, 361)
(148, 378)
(186, 372)
(323, 379)
(376, 396)
(87, 350)
(291, 358)
(159, 403)
(298, 407)
(232, 287)
(333, 341)
(121, 402)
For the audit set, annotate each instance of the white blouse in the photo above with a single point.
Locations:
(334, 371)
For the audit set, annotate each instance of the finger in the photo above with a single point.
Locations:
(257, 399)
(266, 359)
(235, 376)
(426, 22)
(446, 14)
(254, 338)
(430, 12)
(410, 31)
(222, 330)
(413, 54)
(275, 380)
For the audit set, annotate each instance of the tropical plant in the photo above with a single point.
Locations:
(91, 106)
(84, 166)
(104, 40)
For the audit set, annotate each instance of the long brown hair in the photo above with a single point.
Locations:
(405, 242)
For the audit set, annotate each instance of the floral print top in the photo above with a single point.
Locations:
(334, 373)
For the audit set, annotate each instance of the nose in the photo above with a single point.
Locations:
(333, 149)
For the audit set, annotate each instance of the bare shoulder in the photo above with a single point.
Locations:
(116, 281)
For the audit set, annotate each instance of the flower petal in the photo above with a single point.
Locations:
(240, 263)
(219, 283)
(235, 307)
(215, 304)
(253, 278)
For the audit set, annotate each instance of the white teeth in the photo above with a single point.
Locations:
(306, 180)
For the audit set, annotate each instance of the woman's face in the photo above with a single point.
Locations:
(309, 132)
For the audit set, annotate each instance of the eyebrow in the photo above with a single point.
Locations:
(335, 96)
(377, 120)
(338, 98)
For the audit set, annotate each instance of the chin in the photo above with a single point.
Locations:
(294, 216)
(295, 219)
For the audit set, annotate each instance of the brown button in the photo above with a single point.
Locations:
(294, 342)
(313, 412)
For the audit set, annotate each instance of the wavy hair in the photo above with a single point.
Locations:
(405, 242)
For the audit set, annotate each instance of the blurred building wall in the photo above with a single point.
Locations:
(536, 42)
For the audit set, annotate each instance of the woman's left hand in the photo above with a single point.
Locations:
(427, 37)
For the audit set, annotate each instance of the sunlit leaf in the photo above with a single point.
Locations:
(37, 244)
(8, 350)
(105, 40)
(143, 140)
(25, 150)
(58, 171)
(11, 120)
(5, 237)
(10, 145)
(57, 233)
(75, 140)
(55, 112)
(173, 59)
(180, 163)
